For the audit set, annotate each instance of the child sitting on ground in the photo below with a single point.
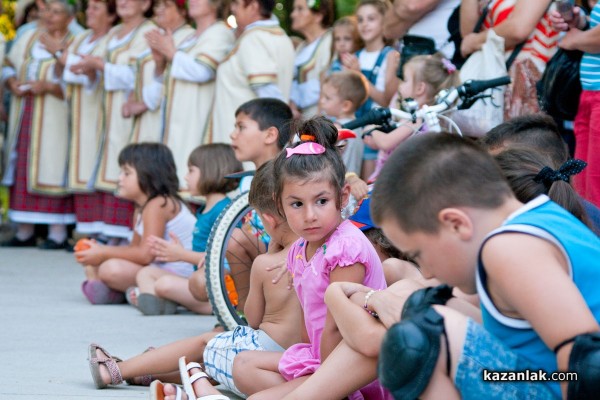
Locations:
(273, 313)
(424, 77)
(207, 167)
(310, 193)
(261, 131)
(148, 178)
(457, 217)
(342, 93)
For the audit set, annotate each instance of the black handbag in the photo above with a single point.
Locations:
(559, 87)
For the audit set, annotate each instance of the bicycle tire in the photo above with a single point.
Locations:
(217, 265)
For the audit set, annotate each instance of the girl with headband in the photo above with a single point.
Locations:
(310, 192)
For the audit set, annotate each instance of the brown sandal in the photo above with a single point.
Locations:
(109, 362)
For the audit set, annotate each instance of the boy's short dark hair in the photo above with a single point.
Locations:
(215, 161)
(268, 112)
(350, 85)
(538, 131)
(431, 172)
(262, 190)
(265, 7)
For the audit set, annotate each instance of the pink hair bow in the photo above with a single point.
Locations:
(305, 148)
(451, 68)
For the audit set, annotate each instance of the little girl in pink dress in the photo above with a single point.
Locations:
(311, 192)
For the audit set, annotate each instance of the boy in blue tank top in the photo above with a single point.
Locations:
(445, 203)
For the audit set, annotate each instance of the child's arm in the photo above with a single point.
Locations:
(173, 250)
(389, 141)
(331, 335)
(524, 283)
(360, 330)
(254, 309)
(154, 218)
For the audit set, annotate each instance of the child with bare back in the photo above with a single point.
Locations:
(261, 131)
(273, 313)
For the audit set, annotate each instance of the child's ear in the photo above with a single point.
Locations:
(347, 107)
(269, 219)
(345, 195)
(271, 135)
(420, 89)
(456, 221)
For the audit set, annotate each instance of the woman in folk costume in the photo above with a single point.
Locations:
(38, 134)
(84, 96)
(260, 65)
(188, 70)
(312, 19)
(145, 101)
(125, 43)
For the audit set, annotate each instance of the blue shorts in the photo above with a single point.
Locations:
(483, 351)
(369, 153)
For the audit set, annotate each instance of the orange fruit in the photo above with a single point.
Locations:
(82, 244)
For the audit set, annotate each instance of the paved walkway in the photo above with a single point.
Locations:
(46, 325)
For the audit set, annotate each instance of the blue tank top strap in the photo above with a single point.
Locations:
(371, 76)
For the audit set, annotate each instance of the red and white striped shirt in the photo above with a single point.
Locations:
(542, 43)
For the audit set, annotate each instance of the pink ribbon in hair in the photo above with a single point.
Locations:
(305, 148)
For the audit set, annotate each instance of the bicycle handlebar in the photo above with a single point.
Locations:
(471, 87)
(466, 92)
(374, 116)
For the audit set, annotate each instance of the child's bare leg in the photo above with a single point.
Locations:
(176, 288)
(197, 284)
(118, 274)
(368, 166)
(147, 277)
(91, 273)
(277, 392)
(319, 385)
(254, 371)
(162, 360)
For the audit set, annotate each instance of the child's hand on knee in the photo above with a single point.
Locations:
(166, 251)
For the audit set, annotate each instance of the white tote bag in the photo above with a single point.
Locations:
(487, 63)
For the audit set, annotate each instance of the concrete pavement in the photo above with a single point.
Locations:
(46, 325)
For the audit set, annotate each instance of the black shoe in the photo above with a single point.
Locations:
(50, 244)
(16, 242)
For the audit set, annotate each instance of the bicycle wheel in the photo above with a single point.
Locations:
(235, 240)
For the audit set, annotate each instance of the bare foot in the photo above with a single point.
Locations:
(203, 386)
(170, 392)
(104, 374)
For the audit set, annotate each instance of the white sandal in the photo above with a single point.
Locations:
(157, 391)
(187, 380)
